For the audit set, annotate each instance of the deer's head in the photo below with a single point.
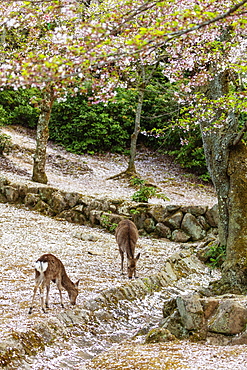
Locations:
(73, 293)
(132, 266)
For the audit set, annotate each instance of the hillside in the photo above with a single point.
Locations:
(88, 174)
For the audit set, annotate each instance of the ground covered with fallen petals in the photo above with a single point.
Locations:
(26, 235)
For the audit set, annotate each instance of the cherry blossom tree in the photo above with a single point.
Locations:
(65, 45)
(139, 77)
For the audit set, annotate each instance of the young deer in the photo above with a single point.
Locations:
(126, 236)
(49, 268)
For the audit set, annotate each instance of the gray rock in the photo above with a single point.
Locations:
(58, 202)
(230, 317)
(149, 225)
(174, 324)
(195, 210)
(174, 221)
(163, 230)
(191, 311)
(179, 236)
(11, 193)
(169, 306)
(202, 221)
(31, 199)
(159, 213)
(192, 227)
(43, 208)
(212, 216)
(158, 335)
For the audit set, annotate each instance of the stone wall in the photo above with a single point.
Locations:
(175, 222)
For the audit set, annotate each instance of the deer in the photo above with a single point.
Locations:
(126, 237)
(49, 268)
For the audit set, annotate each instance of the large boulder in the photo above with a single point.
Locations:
(191, 311)
(174, 221)
(192, 227)
(230, 317)
(223, 318)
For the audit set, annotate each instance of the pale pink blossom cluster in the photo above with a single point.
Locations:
(64, 43)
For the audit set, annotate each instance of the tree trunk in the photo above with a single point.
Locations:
(227, 165)
(131, 166)
(217, 144)
(234, 275)
(42, 136)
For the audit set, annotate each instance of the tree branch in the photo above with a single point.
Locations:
(240, 134)
(210, 21)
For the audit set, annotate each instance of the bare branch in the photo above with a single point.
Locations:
(210, 21)
(240, 135)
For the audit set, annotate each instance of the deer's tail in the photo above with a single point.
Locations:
(41, 266)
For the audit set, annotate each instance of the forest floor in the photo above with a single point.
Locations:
(26, 235)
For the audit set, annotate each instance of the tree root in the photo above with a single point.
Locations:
(127, 174)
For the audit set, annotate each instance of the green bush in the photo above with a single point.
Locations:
(17, 107)
(145, 191)
(216, 255)
(190, 153)
(172, 130)
(3, 116)
(83, 127)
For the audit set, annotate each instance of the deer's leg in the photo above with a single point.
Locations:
(38, 280)
(59, 286)
(42, 296)
(47, 295)
(34, 294)
(122, 260)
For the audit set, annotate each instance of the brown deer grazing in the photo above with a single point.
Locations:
(126, 236)
(49, 268)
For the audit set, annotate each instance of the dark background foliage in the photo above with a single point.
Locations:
(83, 127)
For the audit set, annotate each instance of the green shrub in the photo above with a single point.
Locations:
(17, 106)
(145, 191)
(216, 255)
(83, 127)
(190, 152)
(3, 116)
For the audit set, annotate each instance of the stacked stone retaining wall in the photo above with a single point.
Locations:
(177, 223)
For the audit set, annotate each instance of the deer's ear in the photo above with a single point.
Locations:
(77, 283)
(138, 256)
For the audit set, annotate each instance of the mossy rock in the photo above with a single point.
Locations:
(157, 335)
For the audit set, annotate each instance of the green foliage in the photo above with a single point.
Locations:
(3, 116)
(169, 128)
(190, 153)
(5, 144)
(137, 182)
(16, 107)
(144, 192)
(105, 222)
(83, 127)
(216, 255)
(134, 211)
